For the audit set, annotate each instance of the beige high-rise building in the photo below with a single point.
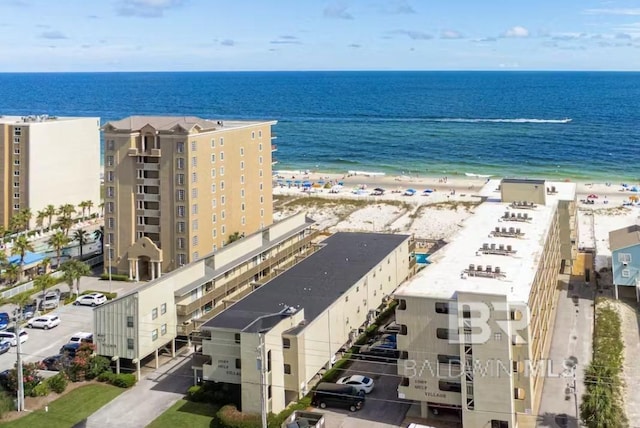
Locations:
(177, 188)
(47, 160)
(476, 324)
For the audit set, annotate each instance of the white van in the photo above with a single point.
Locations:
(419, 426)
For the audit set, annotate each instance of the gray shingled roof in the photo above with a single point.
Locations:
(313, 284)
(162, 123)
(625, 237)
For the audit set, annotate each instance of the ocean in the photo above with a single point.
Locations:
(564, 125)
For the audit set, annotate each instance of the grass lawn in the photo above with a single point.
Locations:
(186, 414)
(69, 409)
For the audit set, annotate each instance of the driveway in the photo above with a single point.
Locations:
(382, 407)
(147, 400)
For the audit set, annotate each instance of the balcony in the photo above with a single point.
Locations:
(150, 228)
(185, 329)
(150, 213)
(151, 197)
(274, 136)
(274, 161)
(155, 153)
(274, 148)
(147, 166)
(132, 151)
(151, 181)
(244, 279)
(199, 360)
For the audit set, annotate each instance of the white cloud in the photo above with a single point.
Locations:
(147, 8)
(338, 11)
(516, 32)
(617, 11)
(414, 35)
(451, 34)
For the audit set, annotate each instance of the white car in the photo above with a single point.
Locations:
(10, 336)
(91, 299)
(359, 382)
(45, 321)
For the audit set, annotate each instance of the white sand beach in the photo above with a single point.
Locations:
(439, 213)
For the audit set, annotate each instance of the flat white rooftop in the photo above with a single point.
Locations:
(447, 272)
(564, 190)
(43, 118)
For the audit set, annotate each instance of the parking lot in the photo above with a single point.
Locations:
(44, 343)
(382, 407)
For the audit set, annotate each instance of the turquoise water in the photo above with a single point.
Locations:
(434, 123)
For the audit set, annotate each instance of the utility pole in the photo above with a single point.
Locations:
(19, 362)
(261, 360)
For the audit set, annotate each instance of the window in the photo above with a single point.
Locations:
(110, 176)
(16, 206)
(223, 230)
(214, 233)
(180, 210)
(286, 343)
(16, 184)
(241, 151)
(222, 185)
(269, 361)
(287, 369)
(182, 259)
(111, 223)
(129, 321)
(402, 305)
(260, 136)
(517, 366)
(194, 177)
(518, 393)
(180, 243)
(194, 161)
(497, 336)
(194, 193)
(515, 315)
(17, 131)
(221, 170)
(180, 195)
(181, 226)
(242, 206)
(222, 214)
(242, 167)
(626, 273)
(238, 363)
(243, 221)
(449, 359)
(237, 337)
(111, 145)
(213, 190)
(253, 135)
(260, 174)
(213, 143)
(269, 391)
(213, 173)
(221, 141)
(624, 257)
(163, 309)
(16, 173)
(154, 334)
(163, 329)
(194, 209)
(194, 145)
(442, 308)
(221, 156)
(154, 313)
(214, 218)
(130, 344)
(213, 158)
(180, 163)
(499, 424)
(242, 193)
(449, 386)
(16, 161)
(194, 224)
(16, 195)
(222, 199)
(445, 333)
(194, 240)
(196, 255)
(180, 179)
(261, 212)
(109, 160)
(180, 147)
(16, 140)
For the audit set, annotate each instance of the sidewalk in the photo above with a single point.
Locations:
(147, 400)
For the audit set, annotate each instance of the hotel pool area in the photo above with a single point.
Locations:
(422, 259)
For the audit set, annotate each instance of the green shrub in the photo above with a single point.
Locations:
(275, 421)
(229, 417)
(107, 376)
(114, 277)
(6, 403)
(58, 383)
(194, 393)
(41, 390)
(97, 365)
(124, 380)
(108, 295)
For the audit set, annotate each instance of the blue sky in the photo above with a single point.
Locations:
(150, 35)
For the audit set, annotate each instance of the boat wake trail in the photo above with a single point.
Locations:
(461, 120)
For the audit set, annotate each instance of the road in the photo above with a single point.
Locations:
(44, 343)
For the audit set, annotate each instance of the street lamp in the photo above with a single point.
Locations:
(108, 247)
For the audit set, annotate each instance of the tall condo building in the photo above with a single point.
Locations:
(476, 324)
(47, 160)
(178, 188)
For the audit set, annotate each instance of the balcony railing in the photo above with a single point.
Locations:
(274, 148)
(244, 279)
(151, 197)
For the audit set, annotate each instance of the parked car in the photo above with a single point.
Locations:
(91, 299)
(10, 335)
(331, 394)
(55, 362)
(379, 351)
(45, 321)
(69, 350)
(359, 382)
(51, 300)
(4, 320)
(5, 345)
(81, 337)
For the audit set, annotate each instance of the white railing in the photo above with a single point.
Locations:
(24, 287)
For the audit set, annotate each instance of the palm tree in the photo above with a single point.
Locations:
(20, 248)
(98, 234)
(65, 224)
(74, 270)
(15, 223)
(43, 282)
(45, 263)
(26, 215)
(50, 211)
(89, 204)
(12, 272)
(234, 237)
(3, 232)
(3, 261)
(83, 206)
(40, 216)
(58, 241)
(66, 210)
(101, 208)
(82, 237)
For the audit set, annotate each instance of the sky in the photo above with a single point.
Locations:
(221, 35)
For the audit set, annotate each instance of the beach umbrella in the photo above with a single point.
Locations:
(379, 189)
(340, 183)
(428, 190)
(634, 189)
(320, 181)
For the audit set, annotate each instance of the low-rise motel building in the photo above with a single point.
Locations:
(143, 322)
(272, 343)
(476, 324)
